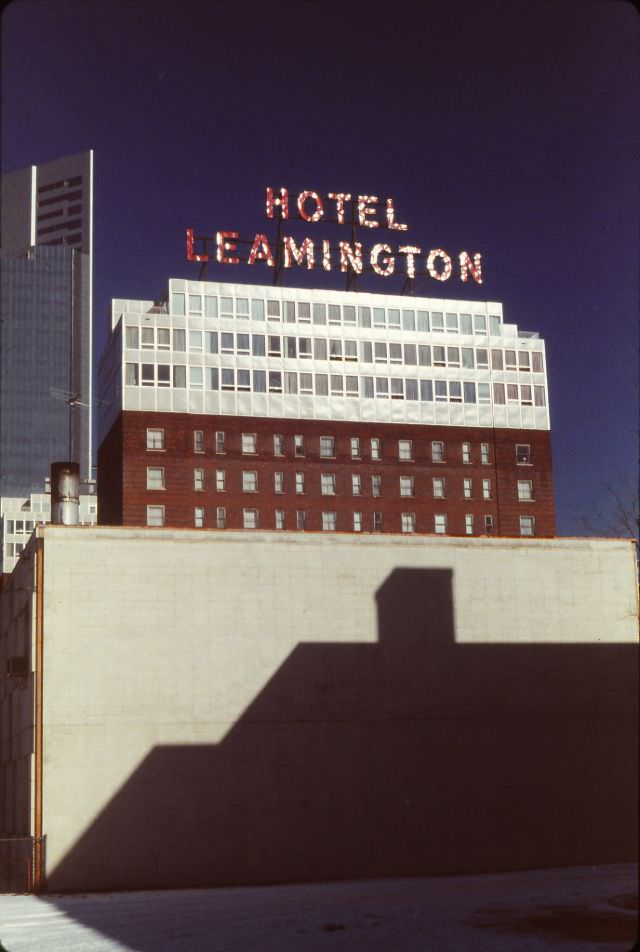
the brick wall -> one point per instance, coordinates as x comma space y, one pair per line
124, 458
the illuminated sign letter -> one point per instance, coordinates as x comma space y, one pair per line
283, 202
291, 251
319, 212
467, 265
388, 262
192, 257
365, 203
326, 255
340, 198
224, 245
410, 251
446, 261
391, 217
261, 251
351, 256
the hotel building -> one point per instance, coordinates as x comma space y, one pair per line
230, 406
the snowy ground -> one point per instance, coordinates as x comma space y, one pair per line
573, 909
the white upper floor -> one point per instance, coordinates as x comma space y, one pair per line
269, 351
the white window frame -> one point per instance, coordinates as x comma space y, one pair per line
155, 516
486, 489
155, 438
198, 479
221, 517
468, 523
330, 444
198, 517
299, 484
221, 481
439, 487
278, 482
198, 441
527, 523
409, 522
437, 451
249, 481
525, 490
327, 484
249, 444
329, 521
405, 450
156, 482
440, 523
250, 518
407, 484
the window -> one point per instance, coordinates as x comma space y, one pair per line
538, 395
498, 394
408, 522
131, 375
279, 518
278, 444
249, 482
299, 482
440, 524
356, 485
195, 378
525, 490
220, 441
329, 520
198, 517
198, 441
220, 480
467, 488
437, 451
468, 523
484, 453
357, 522
466, 452
301, 519
376, 485
438, 487
510, 360
298, 445
328, 484
488, 524
179, 376
355, 447
155, 477
405, 449
527, 525
147, 337
221, 517
249, 443
155, 515
523, 453
249, 518
486, 489
406, 485
278, 482
131, 337
198, 479
377, 522
536, 362
148, 375
327, 446
155, 439
376, 448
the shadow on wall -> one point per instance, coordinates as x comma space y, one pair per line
411, 756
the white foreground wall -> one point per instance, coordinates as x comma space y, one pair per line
224, 708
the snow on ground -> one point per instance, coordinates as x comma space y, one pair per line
577, 909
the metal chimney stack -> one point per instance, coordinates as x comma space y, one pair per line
65, 494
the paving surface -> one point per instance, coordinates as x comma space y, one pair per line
578, 909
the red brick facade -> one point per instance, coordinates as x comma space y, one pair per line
123, 461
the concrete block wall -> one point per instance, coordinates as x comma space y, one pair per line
240, 709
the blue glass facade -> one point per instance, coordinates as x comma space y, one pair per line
41, 363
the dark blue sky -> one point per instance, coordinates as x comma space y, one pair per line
505, 128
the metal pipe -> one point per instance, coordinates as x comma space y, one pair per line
38, 854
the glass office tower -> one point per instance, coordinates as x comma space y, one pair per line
46, 257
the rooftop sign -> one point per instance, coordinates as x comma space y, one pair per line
351, 257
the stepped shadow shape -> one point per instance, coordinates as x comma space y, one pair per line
413, 755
